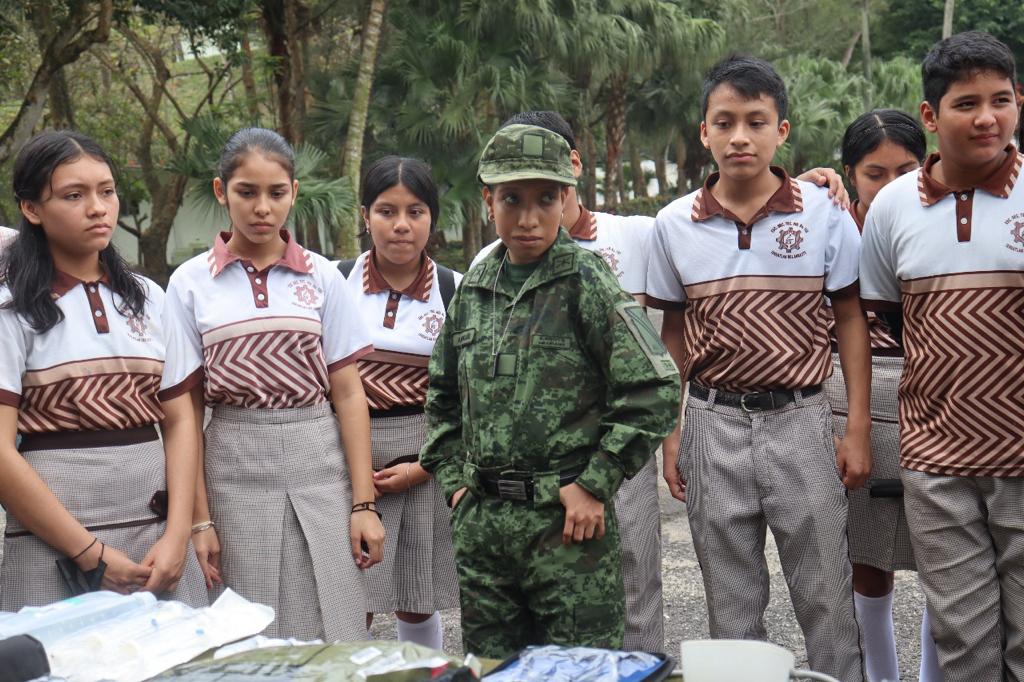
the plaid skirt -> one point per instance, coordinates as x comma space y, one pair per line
417, 574
878, 530
98, 486
280, 497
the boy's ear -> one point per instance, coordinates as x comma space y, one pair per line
929, 117
577, 163
704, 135
783, 131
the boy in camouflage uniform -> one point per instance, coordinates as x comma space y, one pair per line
548, 386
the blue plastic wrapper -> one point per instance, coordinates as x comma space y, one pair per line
578, 664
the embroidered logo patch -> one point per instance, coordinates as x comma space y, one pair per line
1016, 225
138, 328
306, 294
431, 322
789, 235
611, 257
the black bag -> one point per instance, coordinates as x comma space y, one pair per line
22, 658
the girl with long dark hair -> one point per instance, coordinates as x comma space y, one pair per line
401, 293
81, 361
268, 337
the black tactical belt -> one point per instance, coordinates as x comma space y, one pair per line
517, 486
754, 402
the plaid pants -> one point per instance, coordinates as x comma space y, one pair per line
968, 535
747, 472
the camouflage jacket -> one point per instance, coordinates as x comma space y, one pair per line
582, 380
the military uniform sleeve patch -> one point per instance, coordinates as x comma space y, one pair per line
463, 338
635, 318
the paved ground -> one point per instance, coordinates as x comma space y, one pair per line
686, 610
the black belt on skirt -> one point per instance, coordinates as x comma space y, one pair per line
518, 485
760, 401
405, 459
74, 440
397, 411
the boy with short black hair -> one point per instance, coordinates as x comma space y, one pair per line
739, 267
944, 250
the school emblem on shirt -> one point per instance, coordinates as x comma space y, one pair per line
1016, 224
138, 328
431, 322
306, 294
790, 237
611, 257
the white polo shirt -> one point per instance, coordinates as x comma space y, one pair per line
755, 316
260, 338
403, 327
620, 240
954, 263
95, 370
7, 236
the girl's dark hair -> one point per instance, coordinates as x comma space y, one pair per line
869, 130
27, 266
411, 173
247, 140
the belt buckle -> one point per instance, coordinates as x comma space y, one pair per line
749, 410
509, 489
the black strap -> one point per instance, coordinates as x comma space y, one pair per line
445, 278
345, 266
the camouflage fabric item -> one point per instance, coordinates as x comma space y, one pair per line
580, 381
522, 152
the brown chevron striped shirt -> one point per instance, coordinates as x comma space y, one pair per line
95, 370
260, 338
954, 263
754, 315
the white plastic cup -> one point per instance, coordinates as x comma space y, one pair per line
740, 660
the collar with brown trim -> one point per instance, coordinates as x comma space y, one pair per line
1000, 183
585, 227
295, 257
62, 282
419, 288
787, 199
853, 213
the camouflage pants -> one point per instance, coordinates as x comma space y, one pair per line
520, 585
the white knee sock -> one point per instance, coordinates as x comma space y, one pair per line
429, 633
930, 670
875, 617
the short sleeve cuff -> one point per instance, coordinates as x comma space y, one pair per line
662, 304
349, 359
10, 399
449, 477
182, 387
601, 478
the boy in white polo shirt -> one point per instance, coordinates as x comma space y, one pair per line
739, 267
944, 246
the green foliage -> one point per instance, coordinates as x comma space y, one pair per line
648, 206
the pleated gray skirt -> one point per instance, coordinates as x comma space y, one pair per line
281, 499
878, 530
98, 486
417, 574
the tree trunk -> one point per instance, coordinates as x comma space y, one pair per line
679, 146
615, 131
661, 171
296, 16
866, 47
352, 159
590, 168
275, 27
471, 231
70, 40
62, 112
252, 99
637, 166
947, 19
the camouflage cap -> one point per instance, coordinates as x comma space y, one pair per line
523, 152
